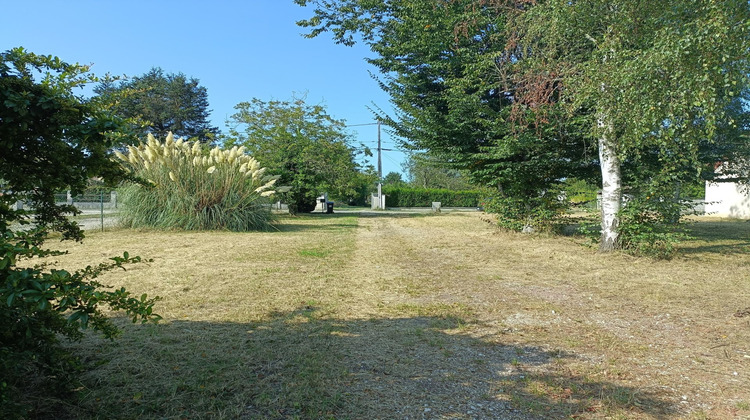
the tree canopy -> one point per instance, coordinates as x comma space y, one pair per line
424, 171
163, 103
526, 94
438, 62
393, 178
303, 144
50, 140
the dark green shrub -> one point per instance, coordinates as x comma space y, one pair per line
423, 197
651, 226
50, 140
541, 213
38, 307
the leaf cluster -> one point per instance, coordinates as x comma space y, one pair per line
307, 148
161, 103
516, 93
50, 140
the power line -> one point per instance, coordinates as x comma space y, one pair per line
375, 141
392, 160
360, 125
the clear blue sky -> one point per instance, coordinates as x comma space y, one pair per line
239, 50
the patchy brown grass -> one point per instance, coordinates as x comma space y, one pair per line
398, 316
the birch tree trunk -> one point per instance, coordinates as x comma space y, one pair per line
611, 188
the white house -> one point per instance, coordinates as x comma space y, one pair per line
728, 199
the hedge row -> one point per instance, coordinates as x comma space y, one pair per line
423, 197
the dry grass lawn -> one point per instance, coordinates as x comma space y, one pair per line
421, 316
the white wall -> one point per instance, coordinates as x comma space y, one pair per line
727, 199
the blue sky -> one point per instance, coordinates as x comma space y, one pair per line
239, 50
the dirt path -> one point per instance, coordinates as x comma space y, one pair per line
540, 323
424, 362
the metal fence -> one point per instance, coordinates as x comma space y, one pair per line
92, 201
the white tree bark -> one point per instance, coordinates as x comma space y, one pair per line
611, 188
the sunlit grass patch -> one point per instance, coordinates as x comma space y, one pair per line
364, 317
317, 253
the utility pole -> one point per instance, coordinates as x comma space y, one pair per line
380, 172
381, 201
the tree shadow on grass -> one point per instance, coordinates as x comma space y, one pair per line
374, 213
302, 364
720, 237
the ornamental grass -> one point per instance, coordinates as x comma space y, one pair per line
185, 186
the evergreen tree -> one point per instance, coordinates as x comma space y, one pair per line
163, 103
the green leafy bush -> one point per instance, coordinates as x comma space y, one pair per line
651, 226
650, 222
423, 197
38, 306
187, 188
544, 213
580, 192
50, 140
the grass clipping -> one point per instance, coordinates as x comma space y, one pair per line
188, 187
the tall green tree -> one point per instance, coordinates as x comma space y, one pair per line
393, 179
425, 171
303, 144
50, 140
528, 93
439, 63
658, 78
163, 103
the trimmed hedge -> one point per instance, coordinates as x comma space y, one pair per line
423, 197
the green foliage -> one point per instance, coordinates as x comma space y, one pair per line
579, 191
307, 148
363, 186
518, 94
693, 190
423, 197
393, 179
38, 306
50, 139
651, 221
651, 227
189, 189
543, 214
68, 135
163, 103
651, 217
425, 171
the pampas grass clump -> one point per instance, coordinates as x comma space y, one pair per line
194, 190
